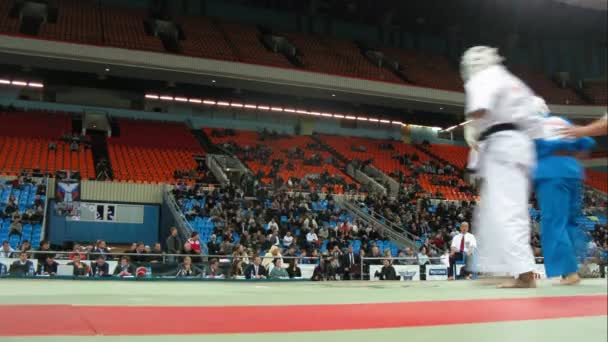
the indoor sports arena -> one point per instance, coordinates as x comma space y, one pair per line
338, 170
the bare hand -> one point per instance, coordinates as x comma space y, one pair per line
574, 132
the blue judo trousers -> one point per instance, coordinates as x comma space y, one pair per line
558, 185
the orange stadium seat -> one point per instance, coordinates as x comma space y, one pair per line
151, 151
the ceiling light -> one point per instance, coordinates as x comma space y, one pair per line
181, 99
151, 96
209, 102
19, 83
167, 98
36, 85
223, 104
195, 101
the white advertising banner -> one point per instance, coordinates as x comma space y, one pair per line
406, 272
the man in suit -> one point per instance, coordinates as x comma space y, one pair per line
22, 267
48, 267
100, 268
256, 270
463, 245
349, 263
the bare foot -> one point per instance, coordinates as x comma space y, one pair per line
570, 279
524, 281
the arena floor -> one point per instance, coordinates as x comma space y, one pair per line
110, 311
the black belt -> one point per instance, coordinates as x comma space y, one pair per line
497, 128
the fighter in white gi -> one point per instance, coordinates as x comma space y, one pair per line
501, 107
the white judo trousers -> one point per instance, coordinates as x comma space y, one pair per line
501, 219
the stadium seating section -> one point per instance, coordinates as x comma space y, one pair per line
384, 160
279, 150
24, 144
151, 151
24, 197
598, 180
84, 21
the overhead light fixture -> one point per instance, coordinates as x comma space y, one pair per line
167, 98
19, 83
398, 123
107, 69
301, 111
315, 113
212, 81
327, 115
181, 99
276, 109
385, 121
440, 108
5, 82
289, 110
333, 95
237, 105
223, 104
209, 102
373, 120
251, 106
350, 117
263, 108
195, 100
361, 118
152, 96
36, 85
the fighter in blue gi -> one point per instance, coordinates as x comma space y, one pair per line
558, 184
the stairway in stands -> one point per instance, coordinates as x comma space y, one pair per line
205, 142
99, 148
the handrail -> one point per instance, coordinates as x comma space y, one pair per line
400, 236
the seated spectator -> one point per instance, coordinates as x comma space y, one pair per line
423, 257
22, 267
256, 270
272, 254
387, 272
293, 270
140, 254
157, 254
101, 249
312, 239
15, 228
213, 271
6, 251
186, 269
278, 272
100, 268
48, 267
80, 269
237, 269
124, 269
273, 225
240, 254
287, 239
77, 250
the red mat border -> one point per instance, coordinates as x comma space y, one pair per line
76, 320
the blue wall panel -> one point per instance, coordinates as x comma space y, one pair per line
61, 230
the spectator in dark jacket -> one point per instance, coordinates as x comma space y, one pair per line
100, 268
124, 269
174, 245
387, 272
256, 270
48, 267
80, 268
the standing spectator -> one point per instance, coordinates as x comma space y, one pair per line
100, 268
44, 248
423, 256
278, 272
195, 243
463, 245
349, 262
6, 251
48, 267
80, 268
256, 270
174, 245
101, 249
124, 269
213, 247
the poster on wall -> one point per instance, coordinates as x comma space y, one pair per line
111, 213
67, 191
